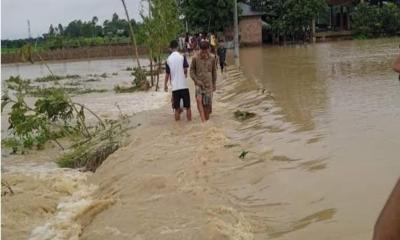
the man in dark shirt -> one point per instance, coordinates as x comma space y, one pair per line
221, 52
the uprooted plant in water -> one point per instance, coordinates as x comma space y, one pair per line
139, 82
53, 116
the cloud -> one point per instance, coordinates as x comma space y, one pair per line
42, 13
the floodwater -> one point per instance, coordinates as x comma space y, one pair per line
322, 156
80, 67
47, 201
333, 130
107, 104
322, 153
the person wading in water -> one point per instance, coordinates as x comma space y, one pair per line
221, 54
203, 72
176, 70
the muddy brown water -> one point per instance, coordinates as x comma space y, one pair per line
322, 153
333, 130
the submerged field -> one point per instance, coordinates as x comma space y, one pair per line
302, 144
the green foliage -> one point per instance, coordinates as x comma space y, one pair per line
28, 129
53, 115
88, 156
55, 106
243, 154
46, 91
78, 33
165, 20
26, 53
208, 15
49, 78
122, 89
17, 83
160, 25
290, 19
374, 21
140, 80
92, 152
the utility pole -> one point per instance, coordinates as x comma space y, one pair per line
236, 29
29, 29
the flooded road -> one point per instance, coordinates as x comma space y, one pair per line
322, 154
333, 130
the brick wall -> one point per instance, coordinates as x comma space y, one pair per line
250, 30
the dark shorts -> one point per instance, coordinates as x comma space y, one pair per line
178, 95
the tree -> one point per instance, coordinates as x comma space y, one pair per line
115, 17
95, 20
290, 19
208, 15
371, 20
51, 31
161, 25
74, 29
60, 29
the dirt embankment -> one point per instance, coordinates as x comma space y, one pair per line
77, 53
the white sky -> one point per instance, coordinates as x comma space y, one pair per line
42, 13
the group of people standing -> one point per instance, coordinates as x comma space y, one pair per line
203, 72
190, 44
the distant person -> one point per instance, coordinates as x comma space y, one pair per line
176, 70
396, 65
198, 40
194, 43
181, 43
213, 43
204, 74
189, 45
221, 52
387, 226
187, 42
204, 37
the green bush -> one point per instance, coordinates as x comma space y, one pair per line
374, 21
390, 16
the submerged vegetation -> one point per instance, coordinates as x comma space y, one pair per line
52, 116
243, 115
50, 78
16, 82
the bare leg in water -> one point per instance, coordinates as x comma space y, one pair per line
179, 111
178, 114
200, 107
207, 112
188, 114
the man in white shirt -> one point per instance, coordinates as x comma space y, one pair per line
176, 70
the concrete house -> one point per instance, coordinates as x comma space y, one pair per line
250, 25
